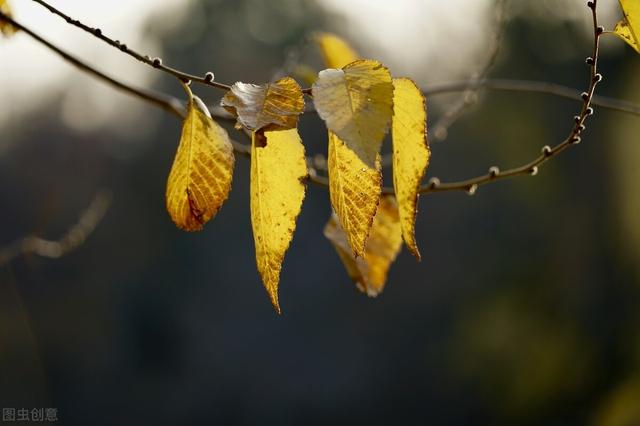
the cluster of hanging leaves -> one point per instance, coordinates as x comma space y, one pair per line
629, 27
359, 101
6, 28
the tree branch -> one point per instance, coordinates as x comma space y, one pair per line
469, 97
168, 103
208, 79
436, 89
74, 237
532, 167
529, 86
470, 185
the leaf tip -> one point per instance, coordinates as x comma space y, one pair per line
413, 249
273, 296
276, 306
370, 291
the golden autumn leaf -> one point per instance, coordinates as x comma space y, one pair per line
6, 28
278, 167
276, 105
202, 170
383, 245
629, 27
356, 104
410, 153
354, 188
336, 52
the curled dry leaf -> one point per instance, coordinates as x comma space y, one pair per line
278, 167
272, 105
202, 171
383, 245
410, 153
6, 28
629, 27
336, 52
356, 103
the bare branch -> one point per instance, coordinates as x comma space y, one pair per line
168, 103
207, 79
470, 96
529, 86
470, 185
532, 167
472, 84
164, 101
74, 237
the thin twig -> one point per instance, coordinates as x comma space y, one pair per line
292, 56
163, 101
434, 185
530, 86
522, 86
169, 103
73, 238
510, 85
473, 84
208, 78
532, 167
470, 96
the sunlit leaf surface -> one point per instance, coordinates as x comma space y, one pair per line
276, 105
200, 178
354, 189
278, 167
383, 245
629, 27
356, 103
410, 153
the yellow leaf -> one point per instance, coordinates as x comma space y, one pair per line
336, 52
354, 189
410, 153
278, 167
276, 105
629, 28
6, 28
383, 245
356, 104
200, 178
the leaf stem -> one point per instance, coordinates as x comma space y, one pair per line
74, 237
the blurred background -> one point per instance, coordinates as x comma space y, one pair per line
524, 309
